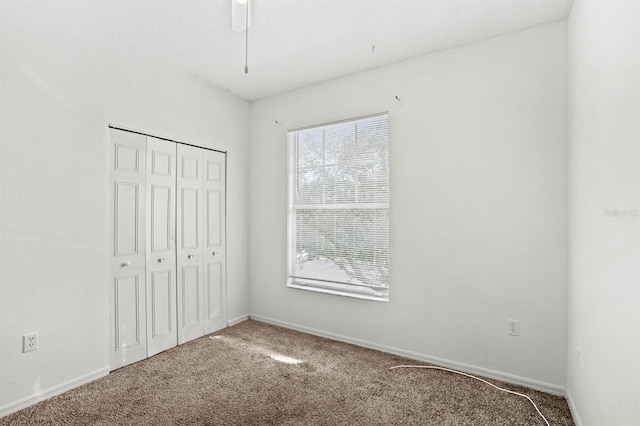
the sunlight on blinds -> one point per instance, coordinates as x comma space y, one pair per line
339, 207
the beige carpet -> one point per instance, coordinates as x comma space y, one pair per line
257, 374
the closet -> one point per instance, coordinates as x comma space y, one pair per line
167, 277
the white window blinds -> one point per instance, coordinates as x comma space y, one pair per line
339, 208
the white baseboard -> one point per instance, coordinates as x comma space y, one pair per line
237, 320
467, 368
573, 408
52, 391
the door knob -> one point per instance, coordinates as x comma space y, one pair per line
161, 260
190, 256
213, 253
125, 264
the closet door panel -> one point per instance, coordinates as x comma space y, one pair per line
127, 248
191, 295
163, 306
127, 305
161, 292
190, 209
214, 236
214, 290
189, 252
161, 218
126, 218
214, 218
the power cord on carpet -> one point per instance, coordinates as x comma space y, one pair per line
432, 367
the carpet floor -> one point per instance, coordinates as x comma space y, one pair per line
258, 374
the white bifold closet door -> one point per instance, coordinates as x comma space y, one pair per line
127, 265
201, 250
161, 246
167, 241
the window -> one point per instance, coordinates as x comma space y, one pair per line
338, 224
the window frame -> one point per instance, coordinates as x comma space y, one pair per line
320, 285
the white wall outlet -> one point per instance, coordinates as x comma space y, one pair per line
513, 327
29, 342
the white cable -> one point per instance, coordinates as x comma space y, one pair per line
432, 367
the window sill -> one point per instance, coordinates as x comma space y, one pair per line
339, 290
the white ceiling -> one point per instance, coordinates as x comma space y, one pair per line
292, 43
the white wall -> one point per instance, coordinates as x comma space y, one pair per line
56, 101
604, 285
479, 206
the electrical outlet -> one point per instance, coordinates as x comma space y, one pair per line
513, 327
29, 342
